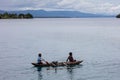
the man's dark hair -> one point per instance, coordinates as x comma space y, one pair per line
70, 53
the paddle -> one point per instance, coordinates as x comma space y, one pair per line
65, 63
45, 61
52, 64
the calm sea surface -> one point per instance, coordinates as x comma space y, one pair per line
96, 41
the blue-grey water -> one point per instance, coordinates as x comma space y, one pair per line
96, 41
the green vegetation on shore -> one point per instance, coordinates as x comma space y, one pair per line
7, 15
118, 16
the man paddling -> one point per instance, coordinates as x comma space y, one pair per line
40, 59
70, 58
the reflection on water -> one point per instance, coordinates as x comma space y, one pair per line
70, 70
39, 69
43, 73
71, 74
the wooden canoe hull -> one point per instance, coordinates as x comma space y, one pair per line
57, 64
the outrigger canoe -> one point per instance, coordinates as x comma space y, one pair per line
55, 64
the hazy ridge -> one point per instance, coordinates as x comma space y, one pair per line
57, 14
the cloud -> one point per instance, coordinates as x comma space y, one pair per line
91, 6
115, 8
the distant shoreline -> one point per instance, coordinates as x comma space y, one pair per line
58, 14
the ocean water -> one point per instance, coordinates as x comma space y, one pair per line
96, 41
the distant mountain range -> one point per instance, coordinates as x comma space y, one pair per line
57, 14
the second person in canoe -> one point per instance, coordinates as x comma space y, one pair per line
70, 58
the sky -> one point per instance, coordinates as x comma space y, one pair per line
89, 6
